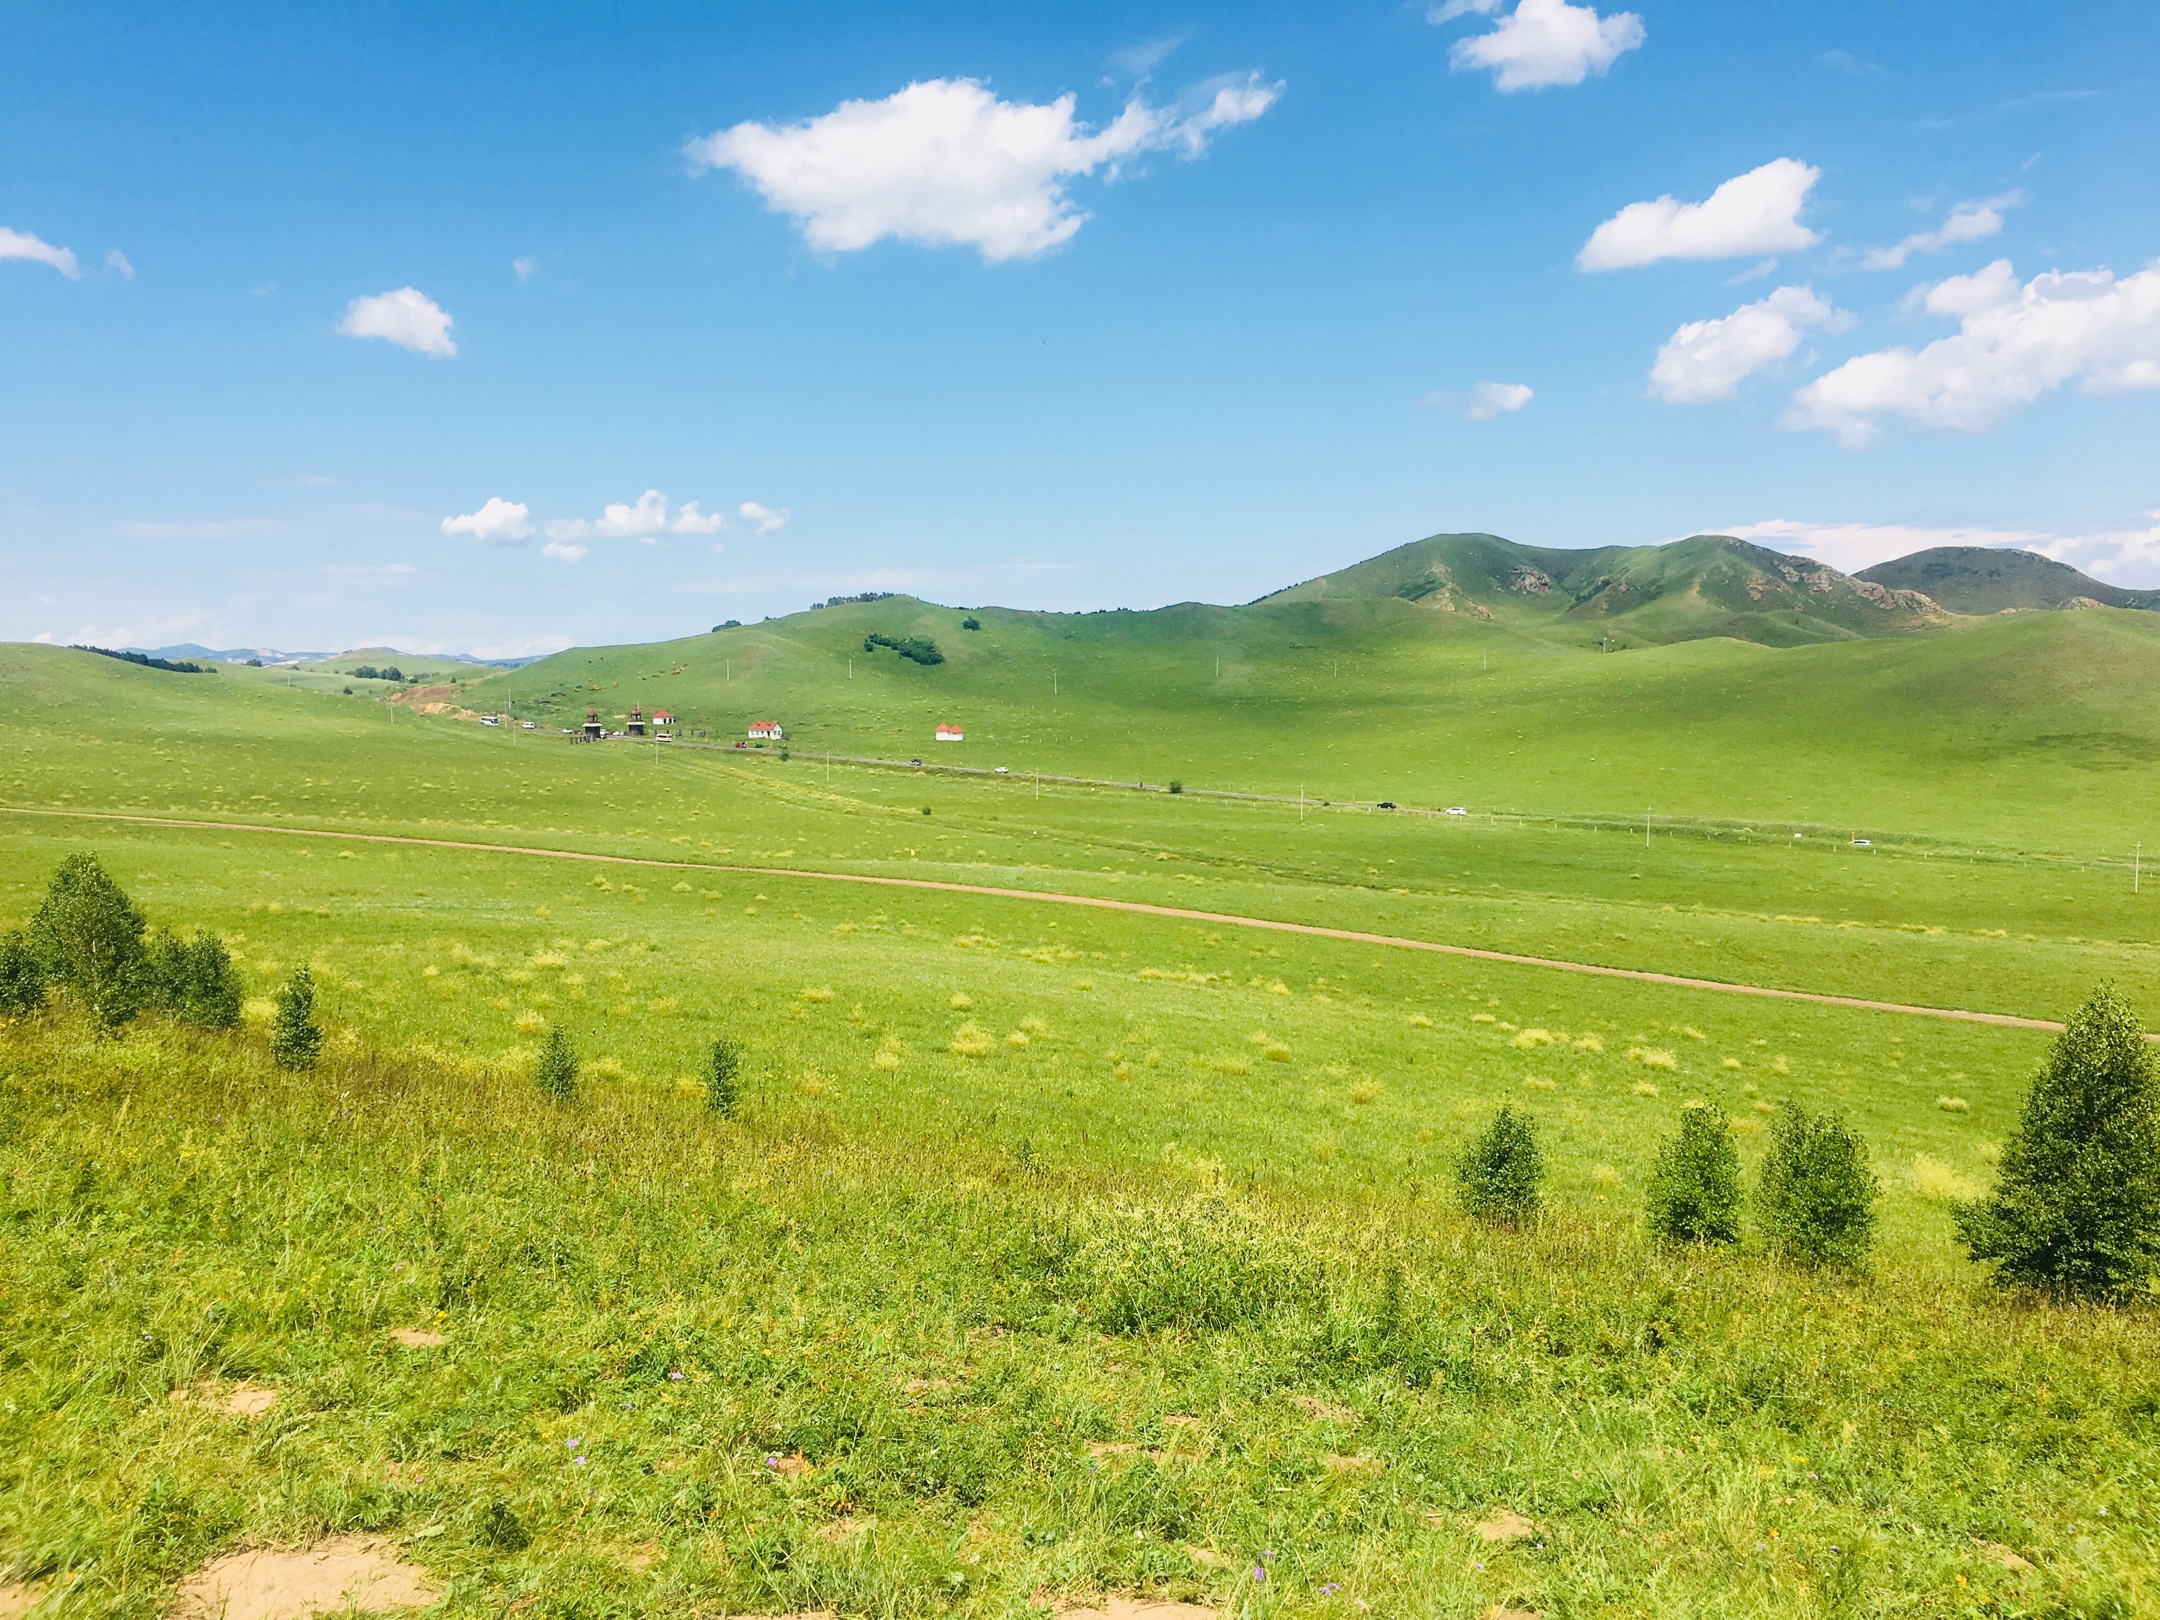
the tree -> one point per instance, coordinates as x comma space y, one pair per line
194, 979
1500, 1170
557, 1071
295, 1042
2076, 1205
1695, 1182
88, 936
1815, 1201
22, 977
723, 1086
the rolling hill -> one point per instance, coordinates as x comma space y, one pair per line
1707, 585
1983, 579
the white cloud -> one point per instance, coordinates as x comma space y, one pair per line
767, 518
497, 520
406, 317
946, 162
1491, 399
212, 529
22, 245
525, 269
1710, 359
563, 551
117, 262
1968, 222
1542, 42
642, 519
2014, 344
1756, 212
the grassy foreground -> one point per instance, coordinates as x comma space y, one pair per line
707, 1367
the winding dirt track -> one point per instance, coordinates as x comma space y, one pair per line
1181, 913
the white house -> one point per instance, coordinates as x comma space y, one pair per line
950, 733
764, 731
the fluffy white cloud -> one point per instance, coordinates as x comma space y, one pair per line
1710, 359
563, 551
406, 317
1756, 212
497, 520
117, 262
946, 162
1491, 399
643, 519
22, 245
1968, 222
2014, 344
525, 269
1541, 42
767, 518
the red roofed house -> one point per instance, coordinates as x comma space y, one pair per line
662, 718
950, 733
764, 731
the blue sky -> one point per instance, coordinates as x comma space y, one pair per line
289, 296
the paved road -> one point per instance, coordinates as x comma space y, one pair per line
1099, 903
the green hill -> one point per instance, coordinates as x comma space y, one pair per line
1708, 585
1983, 579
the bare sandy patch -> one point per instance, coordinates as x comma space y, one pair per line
842, 1528
1314, 1406
1111, 1448
794, 1465
1500, 1611
1505, 1525
1335, 1463
419, 1338
18, 1598
1125, 1608
280, 1583
246, 1399
2002, 1555
925, 1386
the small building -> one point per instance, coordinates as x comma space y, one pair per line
593, 733
636, 726
765, 731
950, 733
662, 718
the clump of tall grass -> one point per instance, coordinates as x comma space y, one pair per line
1652, 1057
555, 1071
1938, 1183
971, 1040
1532, 1037
1952, 1105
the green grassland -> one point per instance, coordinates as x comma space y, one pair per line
982, 1128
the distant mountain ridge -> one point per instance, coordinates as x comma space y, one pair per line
1705, 585
272, 655
1991, 579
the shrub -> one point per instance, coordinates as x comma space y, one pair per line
921, 649
88, 936
723, 1086
556, 1071
971, 623
195, 980
295, 1041
22, 977
2076, 1205
1694, 1194
1815, 1202
1500, 1171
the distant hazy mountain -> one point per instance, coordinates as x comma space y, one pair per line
271, 655
1708, 585
1983, 579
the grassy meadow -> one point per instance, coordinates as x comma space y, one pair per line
1058, 1251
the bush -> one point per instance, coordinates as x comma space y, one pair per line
194, 979
921, 649
22, 977
1695, 1182
1815, 1201
2076, 1205
295, 1042
1499, 1172
723, 1087
557, 1071
88, 936
971, 623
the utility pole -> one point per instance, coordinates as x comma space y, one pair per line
1646, 827
2137, 862
1301, 801
1053, 683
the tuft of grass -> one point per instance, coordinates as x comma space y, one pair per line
971, 1040
1652, 1057
1938, 1183
1644, 1088
1952, 1105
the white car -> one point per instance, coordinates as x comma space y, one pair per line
529, 726
1001, 771
1456, 810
